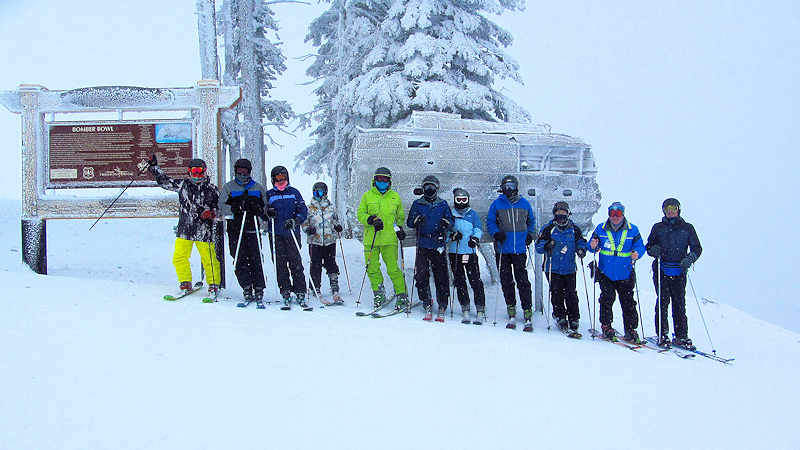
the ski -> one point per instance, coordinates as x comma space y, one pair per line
528, 328
210, 298
466, 321
195, 288
679, 352
574, 334
244, 304
710, 356
394, 313
260, 304
370, 313
614, 340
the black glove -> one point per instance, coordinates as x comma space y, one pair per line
593, 270
581, 252
311, 230
687, 261
272, 212
236, 205
401, 234
419, 220
337, 228
473, 242
444, 223
500, 236
290, 224
456, 236
529, 238
654, 251
253, 205
153, 161
548, 246
375, 222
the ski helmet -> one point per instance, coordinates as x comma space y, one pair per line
460, 198
509, 186
561, 205
319, 186
616, 206
382, 172
277, 171
243, 164
671, 202
430, 186
195, 174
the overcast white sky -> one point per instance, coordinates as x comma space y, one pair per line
696, 101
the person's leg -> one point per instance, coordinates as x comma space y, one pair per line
474, 277
570, 293
523, 283
389, 256
459, 280
507, 280
677, 290
282, 264
296, 268
317, 254
440, 279
421, 279
630, 318
373, 261
208, 256
557, 296
180, 259
607, 296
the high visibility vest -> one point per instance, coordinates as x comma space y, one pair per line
616, 249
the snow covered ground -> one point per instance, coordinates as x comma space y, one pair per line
93, 358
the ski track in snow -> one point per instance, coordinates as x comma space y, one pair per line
93, 358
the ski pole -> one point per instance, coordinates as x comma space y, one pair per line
297, 247
239, 241
594, 294
713, 349
212, 256
344, 263
414, 277
549, 287
369, 258
638, 301
586, 289
659, 331
260, 249
118, 196
499, 278
403, 265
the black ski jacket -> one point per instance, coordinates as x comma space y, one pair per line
194, 199
675, 237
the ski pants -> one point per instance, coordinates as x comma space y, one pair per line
672, 289
515, 262
208, 256
322, 256
249, 271
435, 260
564, 297
608, 291
389, 255
288, 259
473, 273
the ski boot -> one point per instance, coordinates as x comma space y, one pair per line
185, 287
258, 296
512, 317
213, 292
440, 314
300, 297
247, 292
632, 336
465, 315
528, 315
573, 325
428, 308
664, 342
287, 301
379, 297
480, 317
401, 304
684, 343
562, 324
609, 332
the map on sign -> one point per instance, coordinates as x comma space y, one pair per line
111, 154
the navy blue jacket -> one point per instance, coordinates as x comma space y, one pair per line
567, 241
431, 233
675, 237
289, 204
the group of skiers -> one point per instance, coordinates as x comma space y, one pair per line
445, 238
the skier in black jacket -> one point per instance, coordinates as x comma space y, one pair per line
669, 242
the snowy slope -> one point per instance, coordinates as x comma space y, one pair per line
93, 358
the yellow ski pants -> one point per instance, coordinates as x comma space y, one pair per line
208, 256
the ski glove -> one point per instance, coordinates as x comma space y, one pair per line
687, 261
254, 206
401, 234
208, 214
581, 252
457, 236
473, 242
548, 246
419, 220
311, 230
444, 223
654, 251
500, 236
153, 161
529, 238
375, 222
290, 224
272, 212
337, 228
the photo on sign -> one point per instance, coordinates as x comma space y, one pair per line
173, 132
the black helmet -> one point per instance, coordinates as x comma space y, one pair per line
243, 164
509, 186
561, 205
278, 170
430, 193
458, 198
319, 186
671, 202
382, 172
197, 162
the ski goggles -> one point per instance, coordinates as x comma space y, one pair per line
382, 178
615, 213
461, 200
197, 171
671, 208
279, 177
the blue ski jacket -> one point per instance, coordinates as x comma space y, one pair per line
615, 248
516, 220
469, 224
431, 232
289, 204
567, 241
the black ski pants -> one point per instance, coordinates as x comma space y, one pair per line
473, 273
512, 267
435, 260
287, 259
248, 268
564, 297
608, 292
322, 256
673, 289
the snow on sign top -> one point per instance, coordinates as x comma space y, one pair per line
449, 121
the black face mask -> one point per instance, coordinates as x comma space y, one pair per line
429, 191
560, 219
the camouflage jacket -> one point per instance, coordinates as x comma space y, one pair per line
194, 199
322, 216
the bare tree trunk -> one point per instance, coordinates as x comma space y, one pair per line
207, 33
252, 132
230, 117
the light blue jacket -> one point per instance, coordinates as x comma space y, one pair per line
469, 224
617, 267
